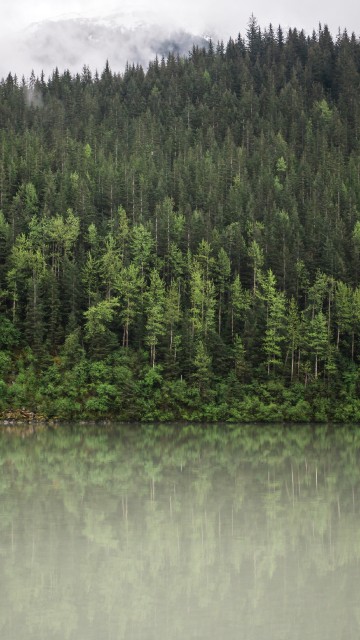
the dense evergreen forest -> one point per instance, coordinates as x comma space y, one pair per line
184, 242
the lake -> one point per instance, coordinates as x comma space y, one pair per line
162, 532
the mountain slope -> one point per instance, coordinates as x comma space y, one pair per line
71, 43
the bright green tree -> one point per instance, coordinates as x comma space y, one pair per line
155, 313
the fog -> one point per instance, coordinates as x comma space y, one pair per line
71, 43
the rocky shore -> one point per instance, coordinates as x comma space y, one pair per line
21, 416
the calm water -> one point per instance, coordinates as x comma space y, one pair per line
223, 532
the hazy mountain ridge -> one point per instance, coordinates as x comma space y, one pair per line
73, 42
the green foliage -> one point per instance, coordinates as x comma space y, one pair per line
98, 316
9, 335
159, 224
281, 165
203, 372
155, 311
324, 110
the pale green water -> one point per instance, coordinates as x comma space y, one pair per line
249, 532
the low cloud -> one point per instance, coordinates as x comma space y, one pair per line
33, 97
141, 30
73, 43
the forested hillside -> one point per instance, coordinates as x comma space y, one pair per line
184, 242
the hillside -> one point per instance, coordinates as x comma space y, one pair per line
184, 242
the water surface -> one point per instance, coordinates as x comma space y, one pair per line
169, 532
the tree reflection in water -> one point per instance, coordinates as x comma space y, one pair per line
172, 531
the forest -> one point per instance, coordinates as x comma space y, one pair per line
183, 242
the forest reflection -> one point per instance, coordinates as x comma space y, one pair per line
169, 531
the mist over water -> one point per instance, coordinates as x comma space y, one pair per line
180, 532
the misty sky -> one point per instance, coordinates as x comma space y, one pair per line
222, 19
